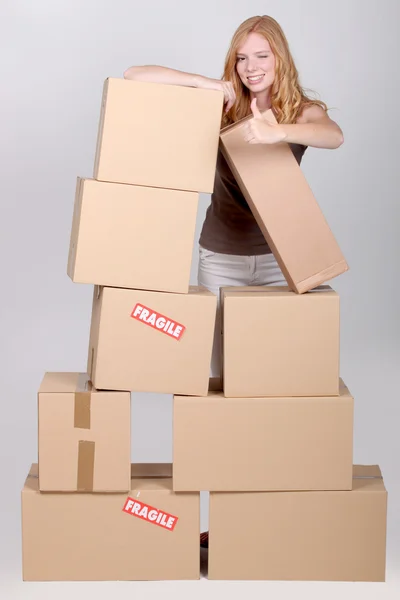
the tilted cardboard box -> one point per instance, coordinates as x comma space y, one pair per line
152, 341
83, 437
314, 536
279, 343
252, 444
284, 207
132, 236
158, 135
151, 533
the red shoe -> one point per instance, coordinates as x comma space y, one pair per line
204, 539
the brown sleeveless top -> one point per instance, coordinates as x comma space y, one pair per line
229, 226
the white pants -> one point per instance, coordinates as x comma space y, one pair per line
220, 270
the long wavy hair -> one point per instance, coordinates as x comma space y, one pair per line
288, 98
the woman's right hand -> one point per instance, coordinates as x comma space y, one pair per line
221, 86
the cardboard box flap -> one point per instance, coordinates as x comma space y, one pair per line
368, 478
367, 472
151, 470
64, 382
215, 391
194, 290
199, 290
270, 290
151, 476
145, 476
343, 389
32, 480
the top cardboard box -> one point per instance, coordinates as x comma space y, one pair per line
284, 208
158, 135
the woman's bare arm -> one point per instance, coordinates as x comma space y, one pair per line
314, 128
165, 75
158, 74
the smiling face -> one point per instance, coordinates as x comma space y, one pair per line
256, 64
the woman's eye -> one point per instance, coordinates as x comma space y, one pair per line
239, 58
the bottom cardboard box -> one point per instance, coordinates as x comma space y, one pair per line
308, 536
151, 533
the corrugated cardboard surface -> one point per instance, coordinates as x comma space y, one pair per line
83, 436
327, 536
80, 537
279, 343
127, 354
132, 236
285, 208
158, 135
252, 444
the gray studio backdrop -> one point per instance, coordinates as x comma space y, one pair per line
55, 56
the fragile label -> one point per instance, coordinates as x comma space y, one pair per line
158, 321
149, 513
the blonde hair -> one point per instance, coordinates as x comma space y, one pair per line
288, 98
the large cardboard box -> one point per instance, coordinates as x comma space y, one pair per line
315, 536
151, 533
279, 343
132, 236
284, 207
158, 135
83, 436
253, 444
152, 341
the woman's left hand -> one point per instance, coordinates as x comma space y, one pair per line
261, 131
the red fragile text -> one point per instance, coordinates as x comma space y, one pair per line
149, 513
158, 321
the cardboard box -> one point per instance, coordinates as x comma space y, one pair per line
314, 536
90, 537
84, 436
279, 343
158, 135
132, 236
152, 341
284, 207
253, 444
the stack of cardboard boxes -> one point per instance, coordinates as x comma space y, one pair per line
273, 444
132, 237
275, 447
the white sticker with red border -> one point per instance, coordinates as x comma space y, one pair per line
150, 514
158, 321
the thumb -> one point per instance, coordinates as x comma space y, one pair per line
254, 109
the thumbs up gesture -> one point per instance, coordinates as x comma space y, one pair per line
259, 130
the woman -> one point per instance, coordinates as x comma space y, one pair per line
259, 74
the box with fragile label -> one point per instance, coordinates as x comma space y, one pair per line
83, 437
158, 135
279, 343
253, 444
132, 236
152, 341
308, 536
284, 207
149, 533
